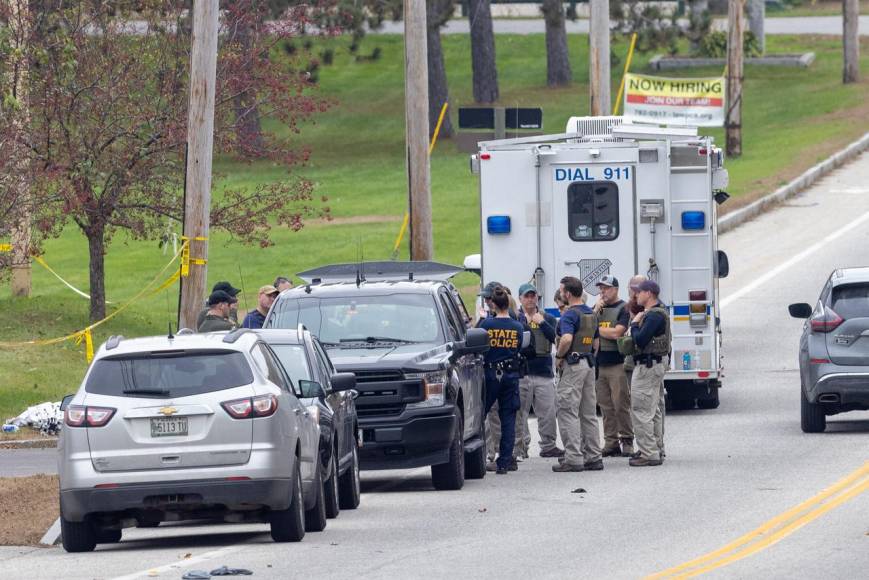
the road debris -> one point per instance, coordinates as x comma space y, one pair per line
579, 490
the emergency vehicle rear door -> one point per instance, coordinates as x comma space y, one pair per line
593, 207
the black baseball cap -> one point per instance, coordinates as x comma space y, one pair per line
219, 296
489, 289
649, 286
226, 287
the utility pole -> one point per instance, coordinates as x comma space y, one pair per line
756, 15
200, 142
850, 40
599, 55
733, 122
416, 119
19, 177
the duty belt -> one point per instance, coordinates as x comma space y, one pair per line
504, 366
648, 359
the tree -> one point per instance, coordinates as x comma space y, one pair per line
438, 13
108, 121
850, 41
483, 52
558, 71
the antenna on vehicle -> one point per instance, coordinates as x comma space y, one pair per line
243, 293
171, 336
360, 259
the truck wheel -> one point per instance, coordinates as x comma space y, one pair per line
475, 461
812, 417
330, 490
349, 486
451, 475
315, 518
710, 402
289, 525
78, 536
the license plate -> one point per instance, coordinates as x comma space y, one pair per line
168, 426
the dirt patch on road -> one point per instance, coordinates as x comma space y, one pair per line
28, 507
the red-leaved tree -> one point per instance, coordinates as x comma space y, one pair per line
108, 108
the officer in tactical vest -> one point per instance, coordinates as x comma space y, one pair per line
612, 387
576, 400
650, 330
537, 387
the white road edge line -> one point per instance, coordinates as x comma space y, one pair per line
758, 282
186, 563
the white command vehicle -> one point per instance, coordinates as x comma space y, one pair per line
609, 197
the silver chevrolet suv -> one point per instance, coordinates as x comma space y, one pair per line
186, 427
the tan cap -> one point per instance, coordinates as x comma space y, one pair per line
268, 289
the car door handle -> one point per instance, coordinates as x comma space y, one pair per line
297, 410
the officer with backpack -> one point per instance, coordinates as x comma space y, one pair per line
577, 402
651, 335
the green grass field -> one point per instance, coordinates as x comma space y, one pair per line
792, 119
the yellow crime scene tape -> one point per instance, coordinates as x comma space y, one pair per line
85, 335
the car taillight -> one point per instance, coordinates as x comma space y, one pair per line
261, 406
825, 321
84, 416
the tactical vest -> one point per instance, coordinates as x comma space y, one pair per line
542, 345
583, 338
659, 345
610, 314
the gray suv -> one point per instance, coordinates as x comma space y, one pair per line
187, 427
834, 349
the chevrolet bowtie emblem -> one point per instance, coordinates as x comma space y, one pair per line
168, 411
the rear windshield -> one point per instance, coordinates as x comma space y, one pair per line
851, 301
169, 374
402, 317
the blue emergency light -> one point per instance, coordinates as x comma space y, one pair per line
693, 220
498, 224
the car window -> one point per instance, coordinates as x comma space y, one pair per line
326, 360
294, 360
169, 374
452, 321
851, 301
410, 317
593, 211
274, 369
323, 366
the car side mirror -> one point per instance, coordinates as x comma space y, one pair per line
722, 267
526, 339
800, 310
311, 389
343, 382
64, 403
476, 341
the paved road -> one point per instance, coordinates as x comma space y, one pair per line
831, 25
17, 462
727, 472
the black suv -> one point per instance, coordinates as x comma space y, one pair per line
402, 329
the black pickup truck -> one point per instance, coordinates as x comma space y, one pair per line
402, 328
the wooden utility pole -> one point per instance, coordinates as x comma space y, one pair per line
200, 142
416, 119
19, 177
599, 55
733, 121
851, 40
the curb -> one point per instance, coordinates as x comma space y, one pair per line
52, 536
46, 443
660, 62
810, 177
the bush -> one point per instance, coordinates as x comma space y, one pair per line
714, 45
328, 56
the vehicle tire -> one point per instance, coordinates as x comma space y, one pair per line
812, 417
289, 525
330, 489
710, 402
315, 518
349, 486
475, 461
109, 536
682, 404
78, 536
451, 475
147, 524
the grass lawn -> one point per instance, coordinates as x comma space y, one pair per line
792, 119
818, 8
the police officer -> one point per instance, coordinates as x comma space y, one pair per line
233, 312
217, 317
576, 414
612, 387
537, 387
650, 330
502, 373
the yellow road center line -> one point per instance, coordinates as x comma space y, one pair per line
782, 533
766, 527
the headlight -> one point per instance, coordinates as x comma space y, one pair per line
434, 386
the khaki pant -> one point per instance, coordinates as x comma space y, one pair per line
539, 392
576, 414
647, 415
614, 400
493, 433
